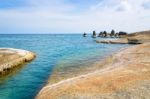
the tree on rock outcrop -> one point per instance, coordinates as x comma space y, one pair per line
100, 34
94, 34
104, 34
112, 33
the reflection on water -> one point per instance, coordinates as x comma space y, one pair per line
9, 73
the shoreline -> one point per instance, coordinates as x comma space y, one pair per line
88, 68
11, 58
75, 87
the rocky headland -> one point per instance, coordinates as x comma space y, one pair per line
133, 38
125, 75
10, 58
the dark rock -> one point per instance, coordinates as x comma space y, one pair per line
117, 35
84, 34
112, 33
100, 34
94, 34
134, 41
121, 34
105, 34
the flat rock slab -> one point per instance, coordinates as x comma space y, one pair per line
126, 77
120, 41
10, 58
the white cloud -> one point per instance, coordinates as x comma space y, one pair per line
124, 6
54, 16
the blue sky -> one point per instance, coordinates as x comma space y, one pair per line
73, 16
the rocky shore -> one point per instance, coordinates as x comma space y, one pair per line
10, 58
119, 41
125, 75
134, 38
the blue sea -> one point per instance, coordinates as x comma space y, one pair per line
53, 51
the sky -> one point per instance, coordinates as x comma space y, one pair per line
73, 16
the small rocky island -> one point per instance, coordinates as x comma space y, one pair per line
10, 58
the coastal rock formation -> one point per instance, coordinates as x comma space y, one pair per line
122, 41
142, 37
126, 76
94, 34
100, 34
134, 38
122, 34
134, 41
112, 34
10, 58
84, 34
105, 34
117, 35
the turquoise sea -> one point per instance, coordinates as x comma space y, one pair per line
53, 51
